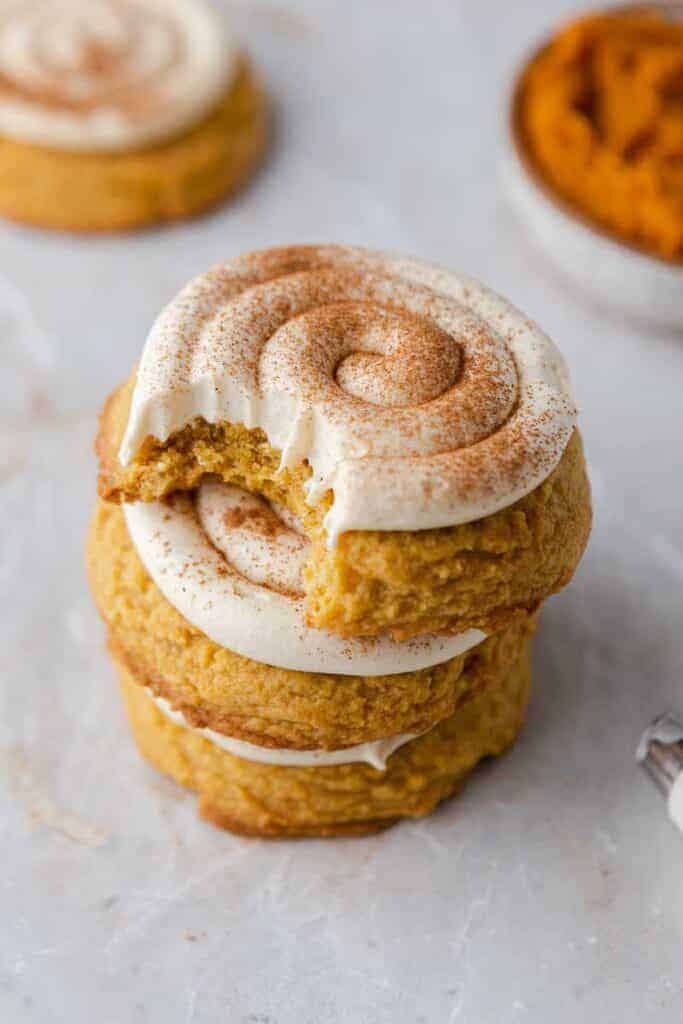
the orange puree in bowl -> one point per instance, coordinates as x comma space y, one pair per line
600, 112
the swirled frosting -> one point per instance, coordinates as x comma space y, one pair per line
231, 565
374, 752
418, 397
109, 74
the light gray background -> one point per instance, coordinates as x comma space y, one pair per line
550, 891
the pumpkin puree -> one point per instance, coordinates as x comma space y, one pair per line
600, 112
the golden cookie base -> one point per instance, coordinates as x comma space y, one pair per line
262, 800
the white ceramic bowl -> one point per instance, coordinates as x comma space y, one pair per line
615, 273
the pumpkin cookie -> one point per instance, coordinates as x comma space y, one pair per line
254, 686
118, 115
419, 427
258, 798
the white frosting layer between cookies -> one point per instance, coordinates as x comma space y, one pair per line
109, 74
418, 397
231, 565
375, 753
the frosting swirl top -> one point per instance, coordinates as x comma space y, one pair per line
418, 396
231, 564
109, 74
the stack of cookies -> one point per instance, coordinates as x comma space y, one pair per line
334, 494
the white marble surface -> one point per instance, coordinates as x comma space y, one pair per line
552, 890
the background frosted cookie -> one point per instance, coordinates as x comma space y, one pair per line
418, 425
119, 115
345, 799
352, 692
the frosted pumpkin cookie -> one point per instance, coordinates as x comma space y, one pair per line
203, 602
119, 114
260, 792
419, 427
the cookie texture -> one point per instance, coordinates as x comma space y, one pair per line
219, 689
272, 801
484, 574
80, 191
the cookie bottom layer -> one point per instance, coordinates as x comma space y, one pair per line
113, 191
354, 799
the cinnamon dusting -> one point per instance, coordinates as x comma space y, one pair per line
258, 519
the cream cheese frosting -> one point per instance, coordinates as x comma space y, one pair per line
418, 397
231, 565
109, 74
375, 752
